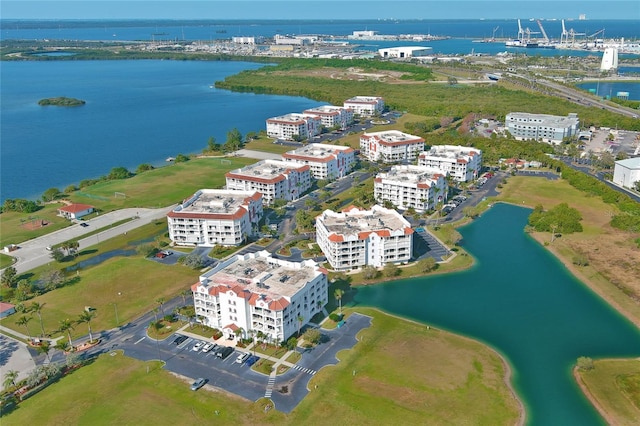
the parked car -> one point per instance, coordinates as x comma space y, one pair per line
161, 255
180, 340
198, 384
224, 351
197, 346
242, 358
252, 360
84, 224
206, 348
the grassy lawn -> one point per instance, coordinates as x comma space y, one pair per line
167, 329
5, 261
614, 387
124, 392
294, 357
161, 187
201, 330
129, 285
463, 385
267, 145
269, 350
14, 226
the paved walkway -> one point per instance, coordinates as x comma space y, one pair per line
33, 253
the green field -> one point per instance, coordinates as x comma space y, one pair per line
615, 386
381, 381
5, 261
162, 186
15, 227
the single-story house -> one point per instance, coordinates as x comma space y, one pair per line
6, 309
75, 211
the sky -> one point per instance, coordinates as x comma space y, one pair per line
316, 9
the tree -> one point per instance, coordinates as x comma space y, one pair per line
338, 293
184, 294
143, 168
57, 255
369, 272
119, 173
585, 363
52, 279
23, 290
181, 158
62, 345
85, 317
391, 269
426, 264
72, 247
50, 194
239, 332
8, 277
212, 145
37, 308
160, 301
45, 348
234, 140
10, 379
71, 188
66, 326
312, 335
155, 313
24, 321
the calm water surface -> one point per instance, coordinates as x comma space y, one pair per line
136, 112
520, 300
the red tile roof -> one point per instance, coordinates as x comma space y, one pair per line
278, 305
75, 208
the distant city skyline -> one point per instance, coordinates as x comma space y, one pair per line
315, 9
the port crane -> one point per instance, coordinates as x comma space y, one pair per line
544, 33
569, 35
493, 35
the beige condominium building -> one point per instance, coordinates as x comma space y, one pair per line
332, 116
274, 179
542, 127
257, 292
328, 162
294, 126
366, 106
417, 187
461, 163
215, 216
390, 146
355, 237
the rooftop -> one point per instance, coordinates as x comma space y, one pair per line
216, 201
367, 99
412, 174
293, 118
317, 151
450, 151
268, 169
75, 208
263, 275
546, 119
632, 163
324, 109
393, 137
355, 221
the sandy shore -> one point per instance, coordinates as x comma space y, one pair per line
585, 390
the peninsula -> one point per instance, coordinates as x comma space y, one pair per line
61, 101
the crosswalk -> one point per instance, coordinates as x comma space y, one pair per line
270, 383
305, 370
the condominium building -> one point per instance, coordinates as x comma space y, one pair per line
294, 126
328, 162
216, 216
332, 116
355, 238
257, 292
542, 127
417, 187
367, 106
462, 163
390, 146
274, 179
627, 172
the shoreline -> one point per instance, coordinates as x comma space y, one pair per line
592, 400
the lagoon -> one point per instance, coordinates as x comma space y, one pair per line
524, 303
136, 111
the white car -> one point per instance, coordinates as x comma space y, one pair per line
207, 347
197, 346
242, 358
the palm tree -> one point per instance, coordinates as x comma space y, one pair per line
62, 345
155, 313
24, 321
338, 295
10, 378
37, 308
300, 320
184, 294
160, 302
86, 317
45, 348
66, 326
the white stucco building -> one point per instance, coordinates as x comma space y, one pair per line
365, 105
257, 292
294, 125
216, 216
273, 179
417, 187
327, 162
462, 163
75, 211
542, 127
390, 146
355, 238
332, 116
627, 172
404, 52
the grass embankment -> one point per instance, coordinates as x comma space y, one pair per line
613, 387
614, 260
162, 186
5, 261
402, 372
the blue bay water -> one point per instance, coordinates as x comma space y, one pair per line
521, 301
136, 112
609, 89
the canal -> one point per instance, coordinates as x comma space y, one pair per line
524, 303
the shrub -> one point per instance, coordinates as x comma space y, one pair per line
580, 260
335, 317
585, 363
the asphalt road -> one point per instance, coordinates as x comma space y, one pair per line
33, 253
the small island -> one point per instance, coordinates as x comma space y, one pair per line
61, 101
